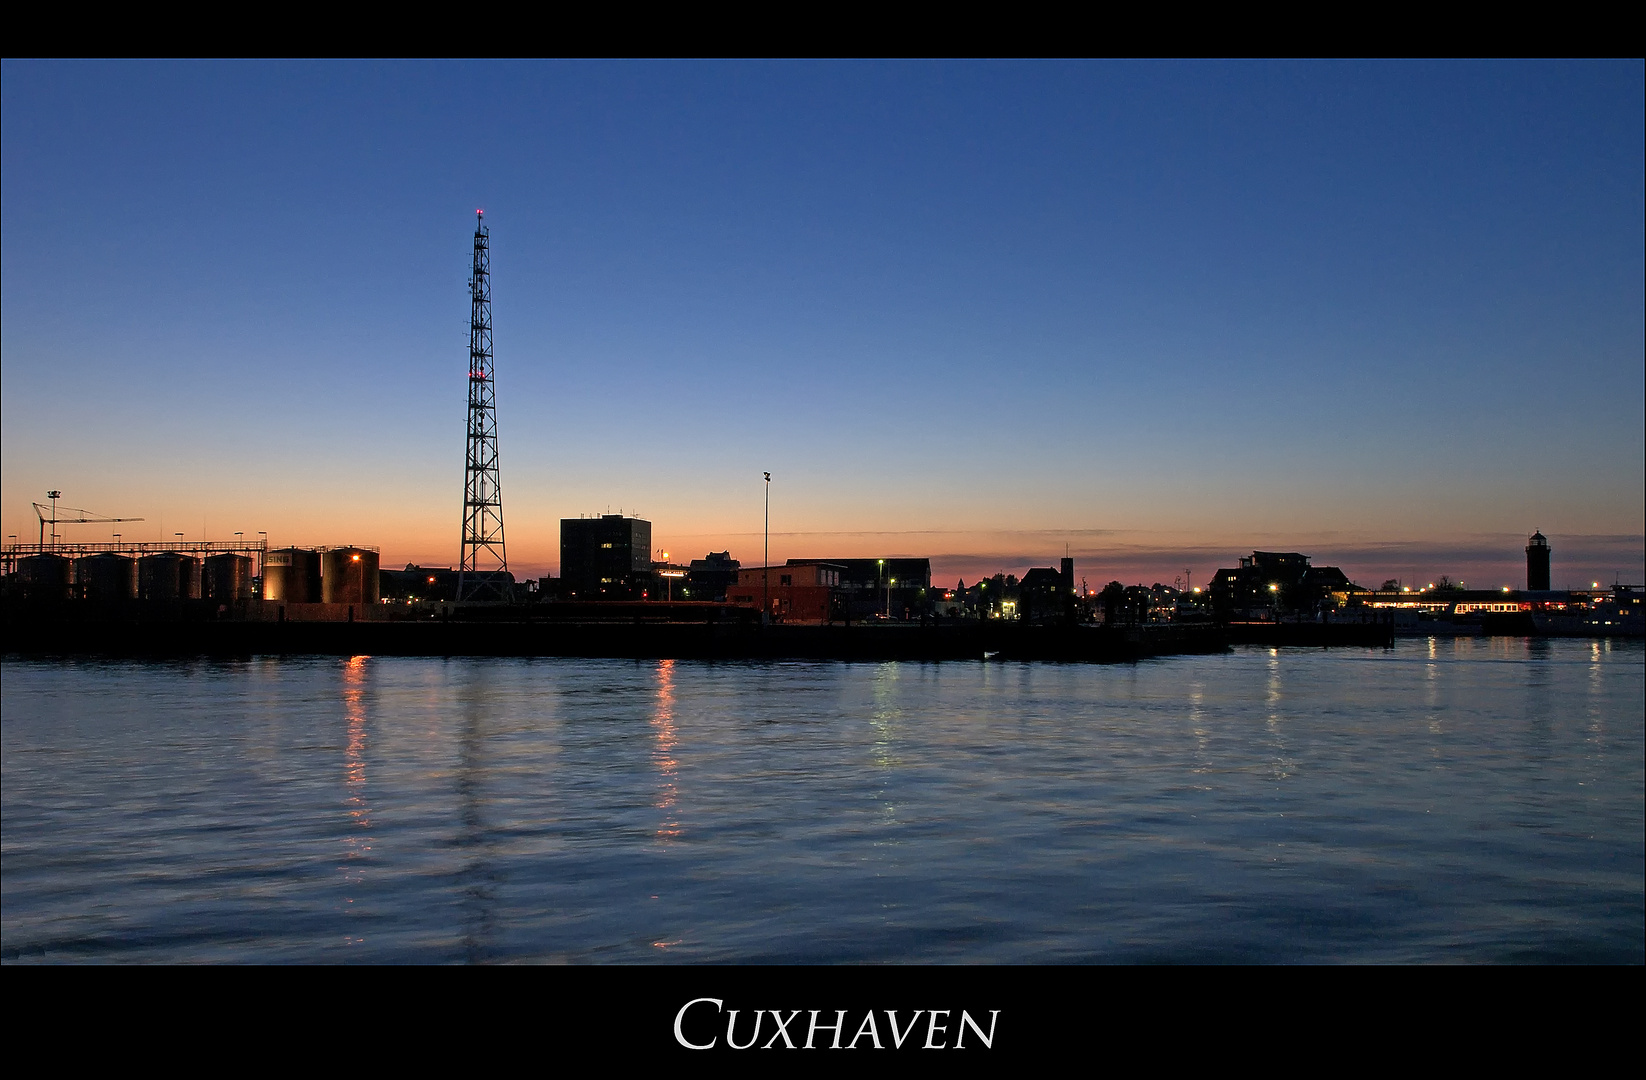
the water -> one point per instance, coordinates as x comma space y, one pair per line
1465, 800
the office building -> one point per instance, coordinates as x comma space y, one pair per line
605, 558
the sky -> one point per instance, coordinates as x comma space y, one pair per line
1156, 315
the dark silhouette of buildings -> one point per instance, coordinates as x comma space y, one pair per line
1047, 595
605, 558
898, 588
709, 577
437, 583
1537, 563
1273, 582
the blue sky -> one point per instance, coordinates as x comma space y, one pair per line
1389, 314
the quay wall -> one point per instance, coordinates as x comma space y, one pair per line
724, 640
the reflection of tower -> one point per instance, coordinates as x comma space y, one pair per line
478, 876
480, 569
1537, 563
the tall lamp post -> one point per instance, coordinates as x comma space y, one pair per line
53, 496
766, 562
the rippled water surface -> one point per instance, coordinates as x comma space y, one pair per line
1466, 800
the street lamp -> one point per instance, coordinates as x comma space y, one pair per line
53, 496
766, 562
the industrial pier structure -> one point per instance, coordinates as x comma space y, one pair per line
164, 570
222, 572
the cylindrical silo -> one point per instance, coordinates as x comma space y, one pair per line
107, 577
169, 575
45, 576
292, 575
226, 578
349, 576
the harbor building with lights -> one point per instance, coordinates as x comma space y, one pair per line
608, 557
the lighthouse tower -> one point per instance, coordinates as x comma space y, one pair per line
1537, 563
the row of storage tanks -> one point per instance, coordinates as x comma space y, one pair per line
345, 575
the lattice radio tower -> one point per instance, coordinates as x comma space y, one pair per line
480, 572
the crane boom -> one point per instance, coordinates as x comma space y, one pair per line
54, 520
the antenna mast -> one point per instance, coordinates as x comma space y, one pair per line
484, 559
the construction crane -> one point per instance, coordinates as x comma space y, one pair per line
87, 518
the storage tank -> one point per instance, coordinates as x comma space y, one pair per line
292, 575
45, 576
107, 577
349, 576
168, 576
226, 578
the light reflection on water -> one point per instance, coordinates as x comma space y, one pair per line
357, 844
1468, 799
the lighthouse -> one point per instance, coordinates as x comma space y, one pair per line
1537, 563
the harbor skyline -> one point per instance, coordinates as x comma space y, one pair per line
1152, 314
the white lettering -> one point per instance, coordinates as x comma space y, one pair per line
869, 1026
932, 1029
782, 1029
839, 1021
899, 1036
966, 1018
731, 1022
680, 1036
